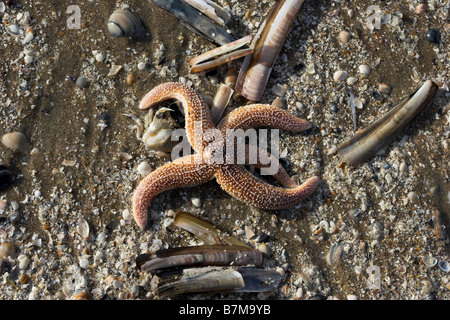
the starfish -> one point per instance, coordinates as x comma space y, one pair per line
200, 167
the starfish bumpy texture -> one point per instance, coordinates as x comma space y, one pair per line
199, 168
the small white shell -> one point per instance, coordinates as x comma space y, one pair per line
364, 69
144, 168
339, 76
123, 23
429, 261
444, 265
83, 228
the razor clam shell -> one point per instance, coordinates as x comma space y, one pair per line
199, 22
377, 135
267, 43
221, 55
219, 255
201, 280
198, 280
220, 101
204, 230
210, 9
223, 95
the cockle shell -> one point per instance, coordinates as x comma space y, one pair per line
15, 141
123, 23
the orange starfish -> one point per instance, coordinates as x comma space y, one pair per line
201, 167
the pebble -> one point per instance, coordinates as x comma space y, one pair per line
339, 76
351, 80
433, 36
344, 36
412, 196
334, 107
131, 78
6, 179
403, 167
364, 69
82, 82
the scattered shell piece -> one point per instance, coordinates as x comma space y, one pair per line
364, 69
14, 29
384, 88
24, 261
339, 76
7, 251
196, 202
15, 141
99, 57
83, 228
335, 254
444, 265
144, 168
351, 80
429, 261
28, 59
114, 70
420, 9
344, 36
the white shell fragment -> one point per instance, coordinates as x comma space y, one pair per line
211, 10
429, 261
144, 168
83, 228
364, 69
339, 76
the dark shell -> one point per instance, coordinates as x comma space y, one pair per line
433, 36
6, 177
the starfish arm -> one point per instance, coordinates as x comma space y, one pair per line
239, 183
263, 115
265, 160
197, 113
186, 171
